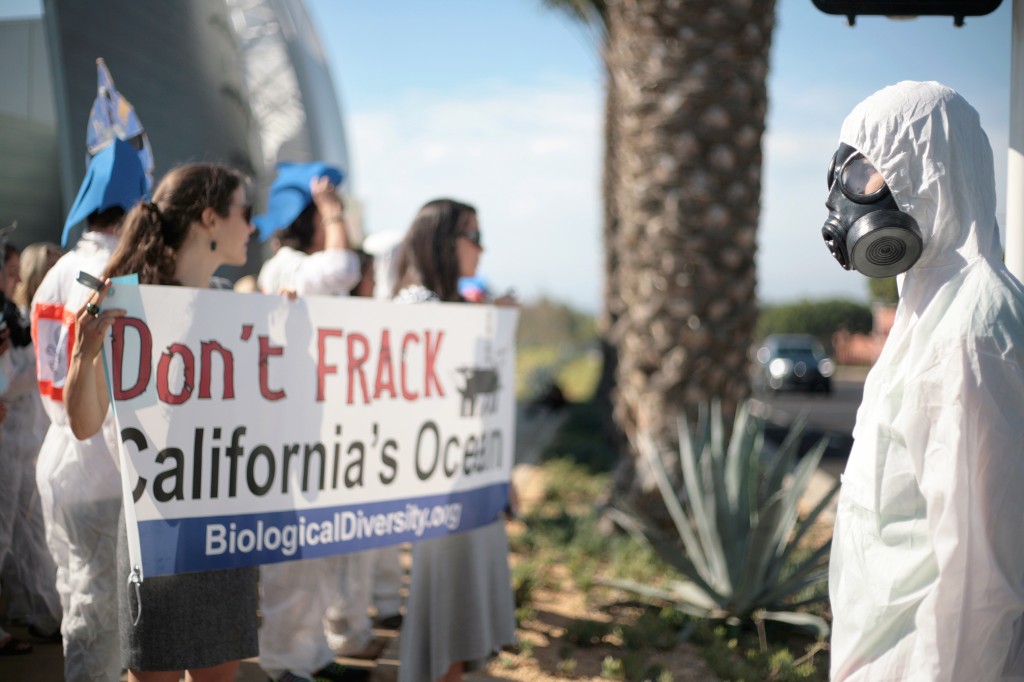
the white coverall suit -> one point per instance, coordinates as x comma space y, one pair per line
312, 606
927, 569
28, 573
79, 481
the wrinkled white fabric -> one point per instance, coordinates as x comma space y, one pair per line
295, 596
385, 247
79, 481
927, 569
326, 273
347, 620
387, 575
28, 574
293, 599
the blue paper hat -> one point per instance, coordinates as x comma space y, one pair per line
115, 177
289, 195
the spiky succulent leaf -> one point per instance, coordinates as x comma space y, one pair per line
795, 490
735, 514
811, 571
760, 545
785, 456
713, 468
733, 473
664, 547
675, 509
706, 524
688, 597
806, 621
805, 525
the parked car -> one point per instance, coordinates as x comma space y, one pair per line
792, 361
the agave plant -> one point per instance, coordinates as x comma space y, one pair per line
737, 522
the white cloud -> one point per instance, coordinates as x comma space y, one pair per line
529, 160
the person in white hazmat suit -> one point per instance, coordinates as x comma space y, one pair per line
927, 569
312, 607
79, 481
33, 595
385, 563
27, 574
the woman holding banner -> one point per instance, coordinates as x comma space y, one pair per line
461, 611
198, 220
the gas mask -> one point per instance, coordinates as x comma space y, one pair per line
866, 231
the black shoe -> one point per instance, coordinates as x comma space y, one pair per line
53, 637
334, 672
13, 646
392, 622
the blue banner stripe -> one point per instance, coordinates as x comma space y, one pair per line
217, 542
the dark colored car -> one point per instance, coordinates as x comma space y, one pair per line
792, 361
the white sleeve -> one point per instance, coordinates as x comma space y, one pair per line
333, 272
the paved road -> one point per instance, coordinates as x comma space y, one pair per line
830, 415
833, 413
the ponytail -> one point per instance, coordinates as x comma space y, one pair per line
143, 248
154, 230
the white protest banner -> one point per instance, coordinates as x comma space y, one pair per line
256, 429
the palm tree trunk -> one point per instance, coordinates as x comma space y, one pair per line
690, 101
613, 304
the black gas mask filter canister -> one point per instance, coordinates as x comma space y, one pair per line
866, 231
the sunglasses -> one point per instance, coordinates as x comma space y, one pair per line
473, 236
246, 212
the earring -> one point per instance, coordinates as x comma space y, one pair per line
213, 245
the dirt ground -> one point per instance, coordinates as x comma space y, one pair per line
544, 660
543, 646
544, 654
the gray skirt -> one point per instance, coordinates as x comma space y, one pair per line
461, 606
187, 621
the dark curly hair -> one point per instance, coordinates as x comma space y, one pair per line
154, 230
299, 235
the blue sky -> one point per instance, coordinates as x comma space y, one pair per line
499, 103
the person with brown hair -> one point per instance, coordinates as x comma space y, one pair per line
36, 261
28, 573
199, 219
461, 611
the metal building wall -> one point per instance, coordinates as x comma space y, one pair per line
177, 62
29, 170
181, 64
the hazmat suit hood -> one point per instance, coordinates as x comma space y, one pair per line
945, 181
927, 567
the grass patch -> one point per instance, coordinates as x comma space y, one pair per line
575, 370
735, 654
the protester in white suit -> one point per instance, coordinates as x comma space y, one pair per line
79, 480
927, 569
27, 572
306, 218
